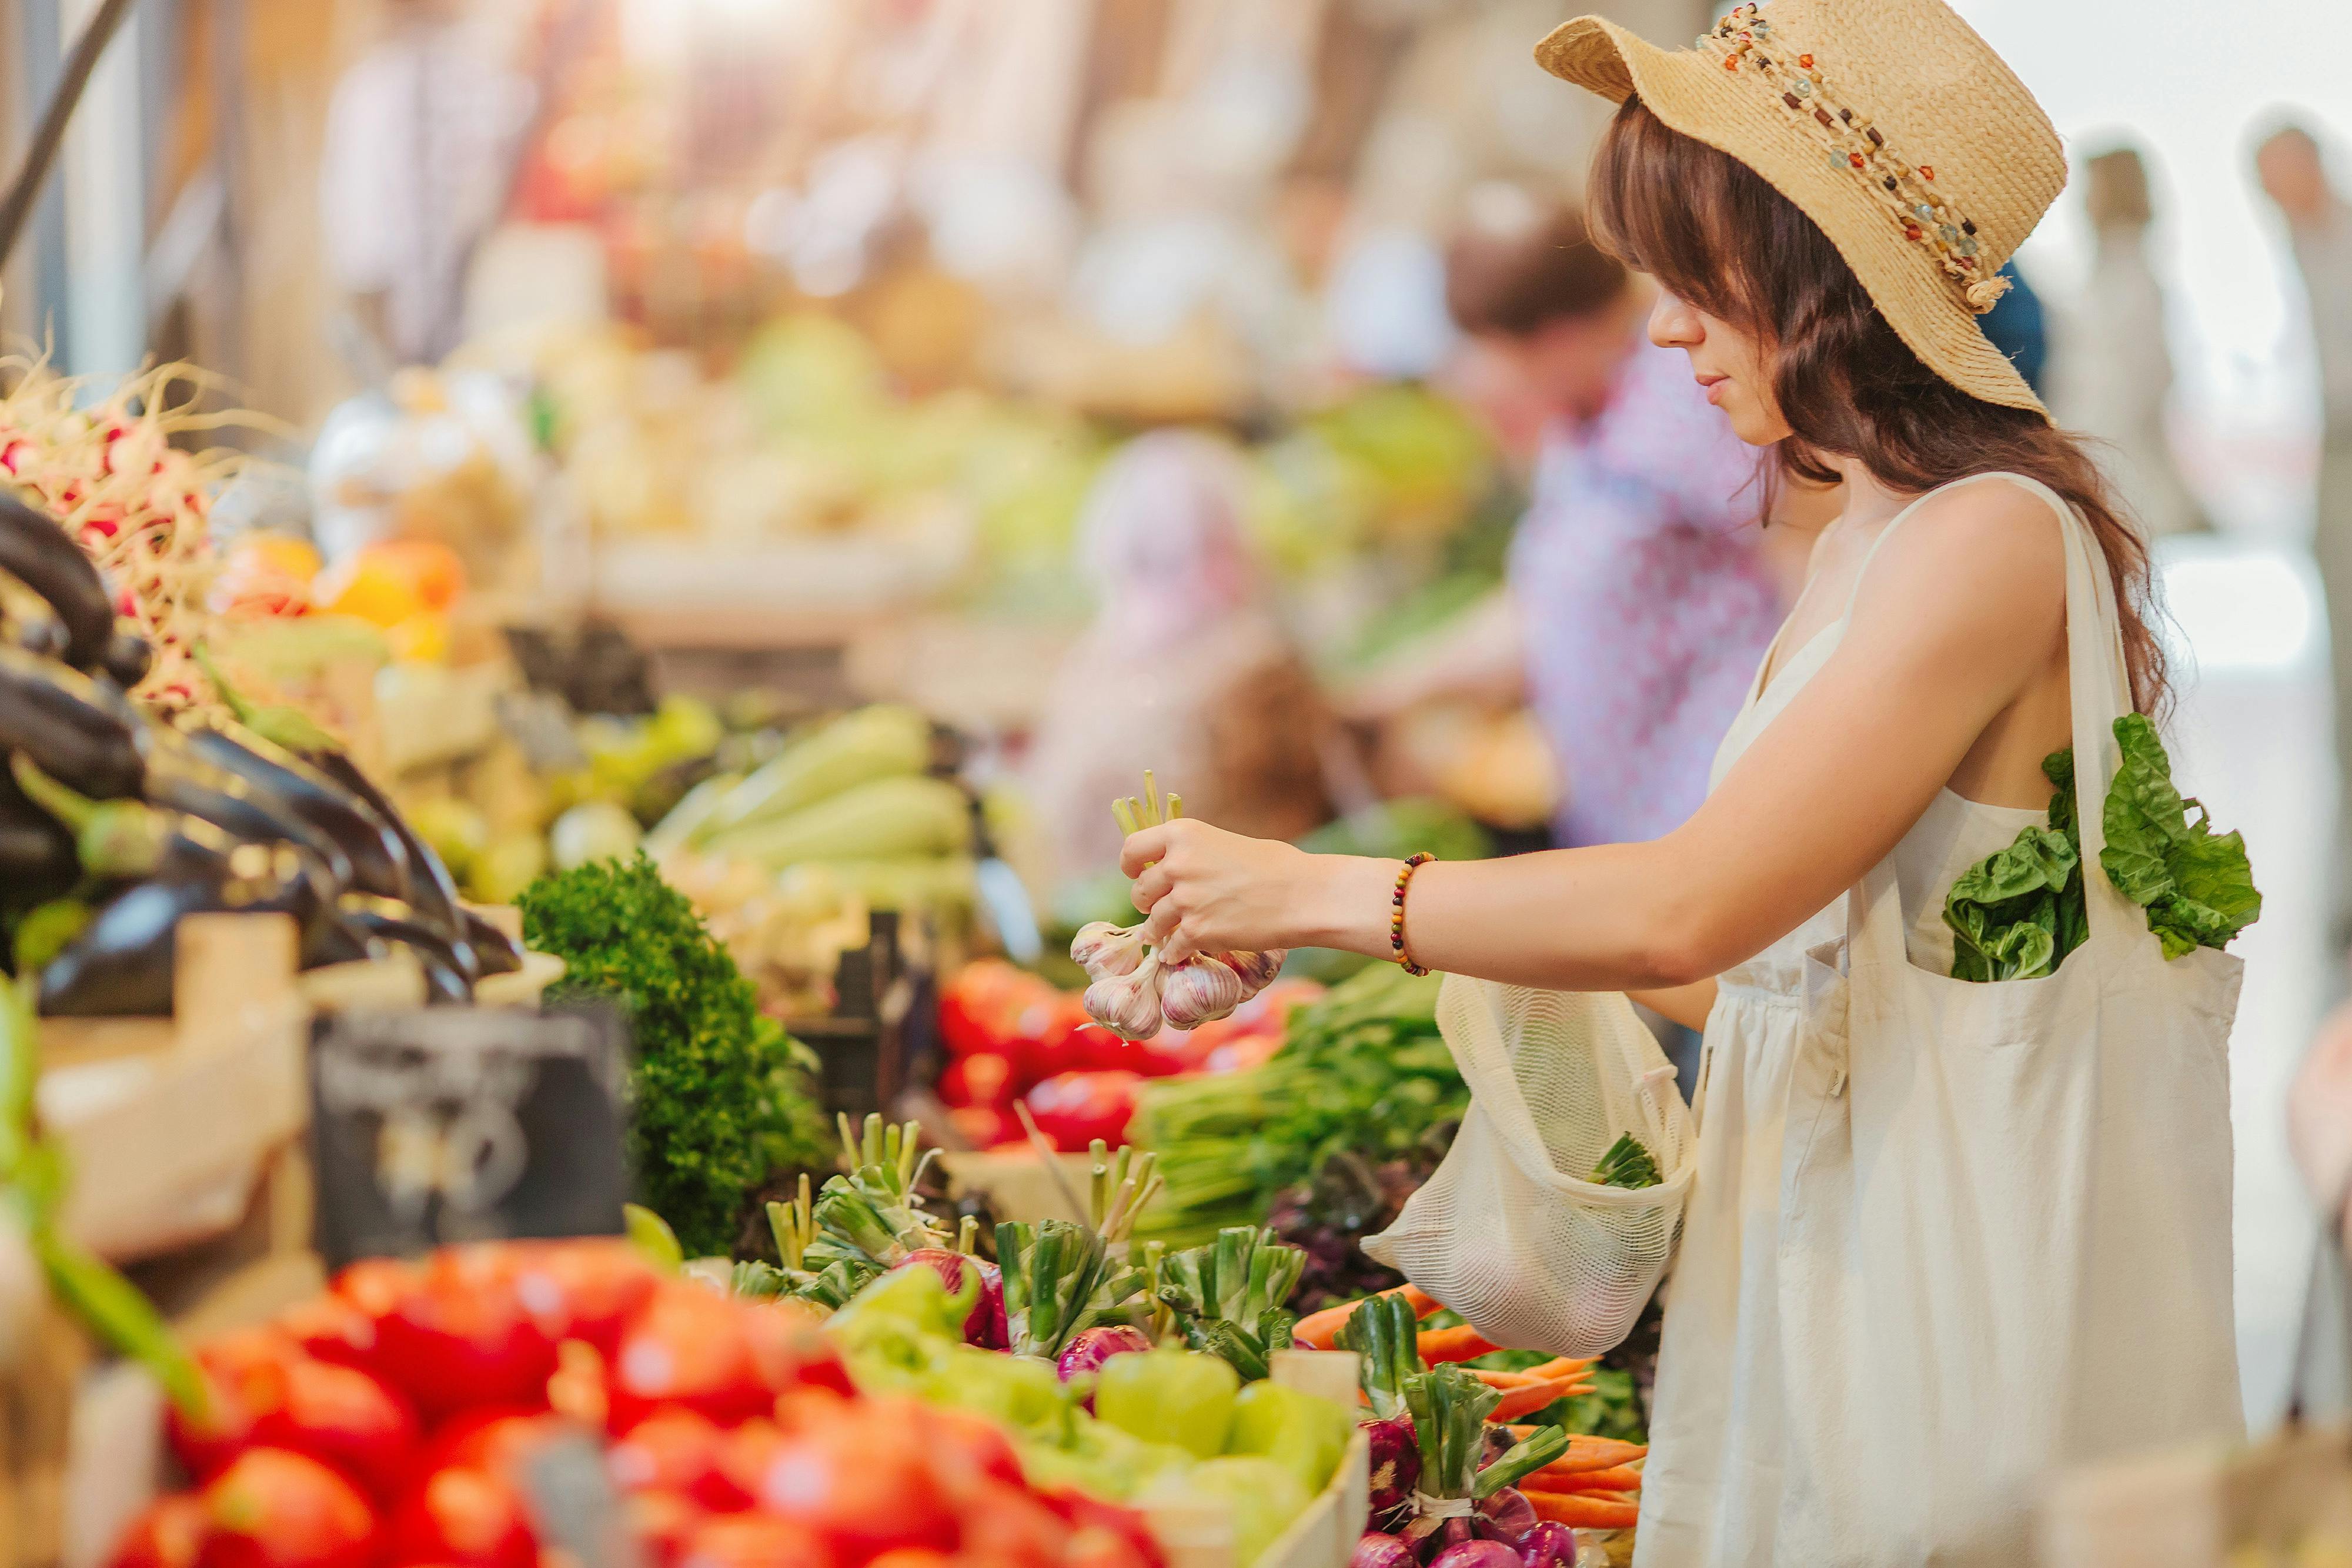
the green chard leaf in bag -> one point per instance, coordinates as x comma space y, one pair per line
2196, 884
2018, 912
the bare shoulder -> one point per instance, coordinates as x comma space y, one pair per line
1985, 559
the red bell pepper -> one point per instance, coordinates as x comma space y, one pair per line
1073, 1109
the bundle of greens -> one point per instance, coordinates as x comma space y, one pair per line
1227, 1297
719, 1095
860, 1225
1628, 1164
1362, 1072
2017, 913
1385, 1335
1060, 1279
1449, 1407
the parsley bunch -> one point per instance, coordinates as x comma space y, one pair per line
722, 1096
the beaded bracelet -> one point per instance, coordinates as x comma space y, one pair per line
1396, 915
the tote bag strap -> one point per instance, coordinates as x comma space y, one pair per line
2100, 692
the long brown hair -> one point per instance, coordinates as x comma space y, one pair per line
1715, 234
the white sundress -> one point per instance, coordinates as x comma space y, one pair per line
1945, 1237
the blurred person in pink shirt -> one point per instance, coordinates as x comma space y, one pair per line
1642, 593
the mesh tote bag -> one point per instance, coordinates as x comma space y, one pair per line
1511, 1231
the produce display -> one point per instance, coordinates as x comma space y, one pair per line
441, 1411
1362, 1074
1457, 1480
122, 822
719, 1095
1015, 1041
2018, 912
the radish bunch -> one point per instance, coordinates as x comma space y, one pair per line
1134, 992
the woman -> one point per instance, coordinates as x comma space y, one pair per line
1944, 1238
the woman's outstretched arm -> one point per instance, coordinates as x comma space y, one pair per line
1963, 615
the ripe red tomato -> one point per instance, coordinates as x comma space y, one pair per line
661, 1522
754, 1540
1008, 1523
856, 1482
1074, 1109
967, 1448
914, 1557
168, 1533
692, 1347
982, 1078
238, 1392
789, 1349
673, 1452
272, 1509
496, 1440
458, 1336
331, 1328
583, 1289
464, 1518
342, 1416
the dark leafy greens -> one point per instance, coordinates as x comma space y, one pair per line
2017, 913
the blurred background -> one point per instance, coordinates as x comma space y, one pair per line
1121, 382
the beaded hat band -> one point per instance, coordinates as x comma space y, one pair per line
1744, 41
1890, 123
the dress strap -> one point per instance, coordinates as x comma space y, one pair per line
1854, 595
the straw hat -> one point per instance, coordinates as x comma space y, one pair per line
1889, 122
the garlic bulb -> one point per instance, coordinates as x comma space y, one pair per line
1199, 990
1257, 970
1128, 1005
1104, 950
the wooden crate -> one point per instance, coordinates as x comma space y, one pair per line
1018, 1184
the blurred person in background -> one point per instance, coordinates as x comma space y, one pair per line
421, 138
1639, 602
1184, 670
2017, 326
2319, 230
2120, 370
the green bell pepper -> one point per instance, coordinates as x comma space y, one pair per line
1170, 1396
1298, 1430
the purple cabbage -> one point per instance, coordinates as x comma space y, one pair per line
1549, 1545
1507, 1516
1089, 1348
1477, 1554
986, 1326
1396, 1462
1379, 1550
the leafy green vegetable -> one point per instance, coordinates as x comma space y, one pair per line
1627, 1165
2018, 912
1362, 1070
721, 1094
2196, 884
1228, 1297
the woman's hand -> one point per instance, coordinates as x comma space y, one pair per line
1208, 890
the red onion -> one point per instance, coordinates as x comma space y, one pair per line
1508, 1515
1549, 1545
1396, 1462
1379, 1550
1477, 1554
986, 1326
1089, 1348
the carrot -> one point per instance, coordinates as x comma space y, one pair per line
1502, 1381
1459, 1344
1586, 1454
1563, 1365
1528, 1399
1619, 1478
1320, 1331
1583, 1511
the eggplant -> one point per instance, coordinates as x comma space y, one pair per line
245, 814
433, 890
39, 554
451, 967
378, 859
69, 725
494, 952
122, 964
127, 660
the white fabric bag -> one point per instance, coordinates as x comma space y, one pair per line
1510, 1231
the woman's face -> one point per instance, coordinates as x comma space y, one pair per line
1729, 363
